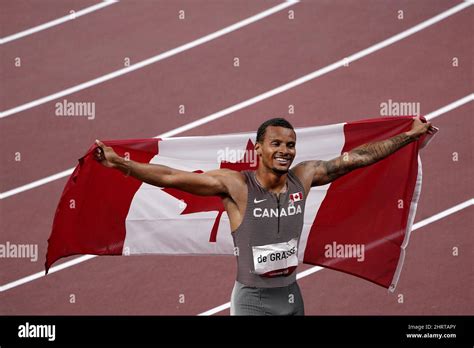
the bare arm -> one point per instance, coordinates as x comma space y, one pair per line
315, 173
212, 183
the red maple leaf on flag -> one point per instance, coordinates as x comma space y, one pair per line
197, 204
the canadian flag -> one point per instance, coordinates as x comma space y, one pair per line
295, 197
103, 212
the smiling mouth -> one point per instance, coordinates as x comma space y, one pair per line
282, 161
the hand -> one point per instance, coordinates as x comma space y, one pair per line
419, 128
106, 155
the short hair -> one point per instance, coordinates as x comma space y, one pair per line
277, 122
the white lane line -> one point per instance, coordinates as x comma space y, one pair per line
443, 214
300, 275
41, 274
451, 106
195, 124
36, 183
315, 269
69, 17
150, 60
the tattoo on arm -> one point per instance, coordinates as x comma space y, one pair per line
327, 171
364, 155
370, 153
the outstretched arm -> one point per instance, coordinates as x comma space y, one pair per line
315, 173
211, 183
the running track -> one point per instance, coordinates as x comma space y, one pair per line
144, 103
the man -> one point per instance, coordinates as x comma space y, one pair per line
265, 207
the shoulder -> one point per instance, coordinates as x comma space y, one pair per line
301, 169
305, 172
235, 183
228, 175
307, 168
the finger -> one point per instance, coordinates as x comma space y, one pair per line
99, 153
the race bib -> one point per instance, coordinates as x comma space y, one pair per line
274, 260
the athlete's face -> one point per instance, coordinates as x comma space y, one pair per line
278, 149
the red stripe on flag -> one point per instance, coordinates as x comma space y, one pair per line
90, 217
364, 208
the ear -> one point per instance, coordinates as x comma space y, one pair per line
258, 149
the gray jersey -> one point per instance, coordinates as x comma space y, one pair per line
267, 239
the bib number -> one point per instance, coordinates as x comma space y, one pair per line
273, 260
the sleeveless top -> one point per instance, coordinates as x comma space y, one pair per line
266, 242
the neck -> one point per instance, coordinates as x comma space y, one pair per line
270, 180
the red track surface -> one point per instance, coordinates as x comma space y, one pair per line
272, 52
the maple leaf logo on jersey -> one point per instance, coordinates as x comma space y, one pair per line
197, 204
